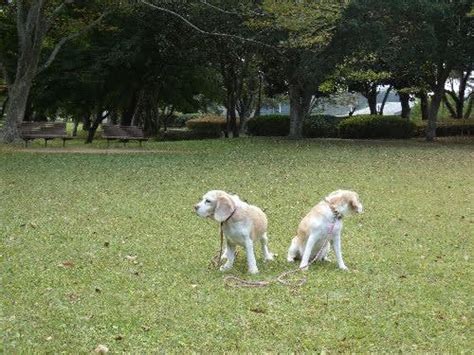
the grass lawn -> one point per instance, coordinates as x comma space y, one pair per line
104, 248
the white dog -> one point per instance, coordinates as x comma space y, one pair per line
321, 224
242, 224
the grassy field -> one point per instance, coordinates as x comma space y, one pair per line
104, 248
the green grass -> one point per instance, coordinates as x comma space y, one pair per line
69, 221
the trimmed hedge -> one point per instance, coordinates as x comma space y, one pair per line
185, 134
207, 123
447, 130
279, 125
375, 126
269, 125
180, 121
322, 126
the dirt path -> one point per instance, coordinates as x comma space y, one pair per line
96, 151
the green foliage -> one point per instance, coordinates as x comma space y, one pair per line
269, 125
316, 126
375, 126
101, 247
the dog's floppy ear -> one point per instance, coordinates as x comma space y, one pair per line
355, 204
224, 208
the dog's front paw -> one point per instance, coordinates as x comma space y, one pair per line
344, 268
304, 268
253, 271
270, 257
225, 267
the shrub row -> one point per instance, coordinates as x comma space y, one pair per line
269, 125
373, 126
366, 126
206, 122
182, 135
447, 130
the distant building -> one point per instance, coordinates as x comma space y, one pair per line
334, 108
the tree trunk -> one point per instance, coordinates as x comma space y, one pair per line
424, 106
127, 114
86, 122
74, 128
384, 101
433, 114
299, 104
15, 111
232, 116
438, 93
467, 114
463, 78
372, 99
447, 104
99, 117
258, 106
405, 102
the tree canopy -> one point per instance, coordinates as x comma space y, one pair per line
140, 61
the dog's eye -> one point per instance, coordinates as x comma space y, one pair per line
207, 201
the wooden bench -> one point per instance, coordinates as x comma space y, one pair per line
43, 130
123, 133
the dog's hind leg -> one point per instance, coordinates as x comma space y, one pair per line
252, 263
324, 253
267, 254
293, 251
308, 250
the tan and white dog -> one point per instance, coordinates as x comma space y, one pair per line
323, 223
242, 224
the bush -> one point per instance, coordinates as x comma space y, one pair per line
269, 125
185, 134
326, 126
448, 129
374, 126
207, 123
180, 121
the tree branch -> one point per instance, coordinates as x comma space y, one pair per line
20, 22
58, 46
215, 34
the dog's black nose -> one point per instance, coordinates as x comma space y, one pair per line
196, 207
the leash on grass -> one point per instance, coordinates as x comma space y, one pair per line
234, 281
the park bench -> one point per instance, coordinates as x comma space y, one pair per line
43, 130
123, 133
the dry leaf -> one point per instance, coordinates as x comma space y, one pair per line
101, 349
67, 263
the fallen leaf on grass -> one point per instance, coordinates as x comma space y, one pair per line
258, 310
101, 349
66, 264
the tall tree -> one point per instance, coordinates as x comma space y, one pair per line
303, 31
34, 19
